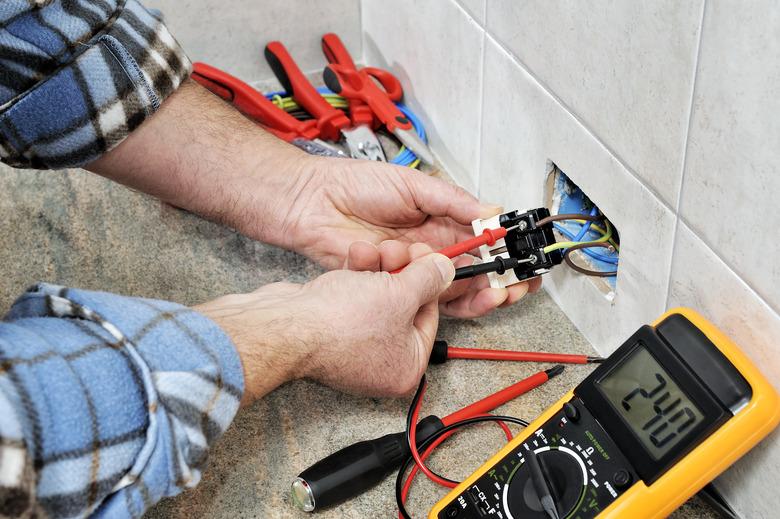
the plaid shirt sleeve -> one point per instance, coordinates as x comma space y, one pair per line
77, 76
107, 403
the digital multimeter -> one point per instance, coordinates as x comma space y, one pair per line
666, 413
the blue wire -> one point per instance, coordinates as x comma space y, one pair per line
585, 228
404, 158
593, 254
407, 157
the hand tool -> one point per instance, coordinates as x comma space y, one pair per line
442, 352
353, 469
360, 113
362, 142
667, 412
257, 107
359, 84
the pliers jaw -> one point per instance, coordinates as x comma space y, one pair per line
363, 143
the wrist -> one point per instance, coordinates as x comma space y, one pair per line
271, 198
264, 330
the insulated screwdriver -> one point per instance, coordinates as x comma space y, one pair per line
356, 468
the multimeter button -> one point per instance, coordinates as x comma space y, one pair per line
571, 412
453, 510
622, 478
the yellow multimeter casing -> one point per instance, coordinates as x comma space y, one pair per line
718, 448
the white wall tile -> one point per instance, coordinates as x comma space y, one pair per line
232, 35
439, 62
475, 8
625, 68
521, 133
731, 191
703, 282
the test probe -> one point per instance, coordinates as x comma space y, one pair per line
515, 246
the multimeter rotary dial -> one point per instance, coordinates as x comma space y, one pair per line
566, 477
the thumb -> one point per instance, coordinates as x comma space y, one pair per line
427, 277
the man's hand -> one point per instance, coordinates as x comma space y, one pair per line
362, 332
381, 208
198, 153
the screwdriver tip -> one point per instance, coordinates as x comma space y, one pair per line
595, 360
554, 371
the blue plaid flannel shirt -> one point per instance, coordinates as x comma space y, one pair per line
107, 403
77, 76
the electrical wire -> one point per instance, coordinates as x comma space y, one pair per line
569, 244
595, 255
585, 228
568, 216
432, 447
411, 436
601, 231
405, 156
399, 497
581, 270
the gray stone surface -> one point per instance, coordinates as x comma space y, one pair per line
76, 229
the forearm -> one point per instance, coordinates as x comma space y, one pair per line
200, 154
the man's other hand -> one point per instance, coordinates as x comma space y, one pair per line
368, 333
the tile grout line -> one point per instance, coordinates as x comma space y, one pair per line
569, 110
481, 92
730, 268
686, 145
481, 119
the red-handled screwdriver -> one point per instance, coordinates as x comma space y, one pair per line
499, 398
443, 352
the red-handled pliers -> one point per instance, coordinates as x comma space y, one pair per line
336, 52
358, 84
257, 107
363, 119
362, 142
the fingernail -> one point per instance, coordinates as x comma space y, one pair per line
445, 266
499, 295
488, 210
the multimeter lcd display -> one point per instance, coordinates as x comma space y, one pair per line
650, 402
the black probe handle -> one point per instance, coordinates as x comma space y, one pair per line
439, 352
354, 469
499, 265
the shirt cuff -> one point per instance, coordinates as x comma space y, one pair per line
159, 383
95, 101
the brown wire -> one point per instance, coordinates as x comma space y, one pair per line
585, 271
569, 216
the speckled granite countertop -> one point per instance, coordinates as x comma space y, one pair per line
77, 229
